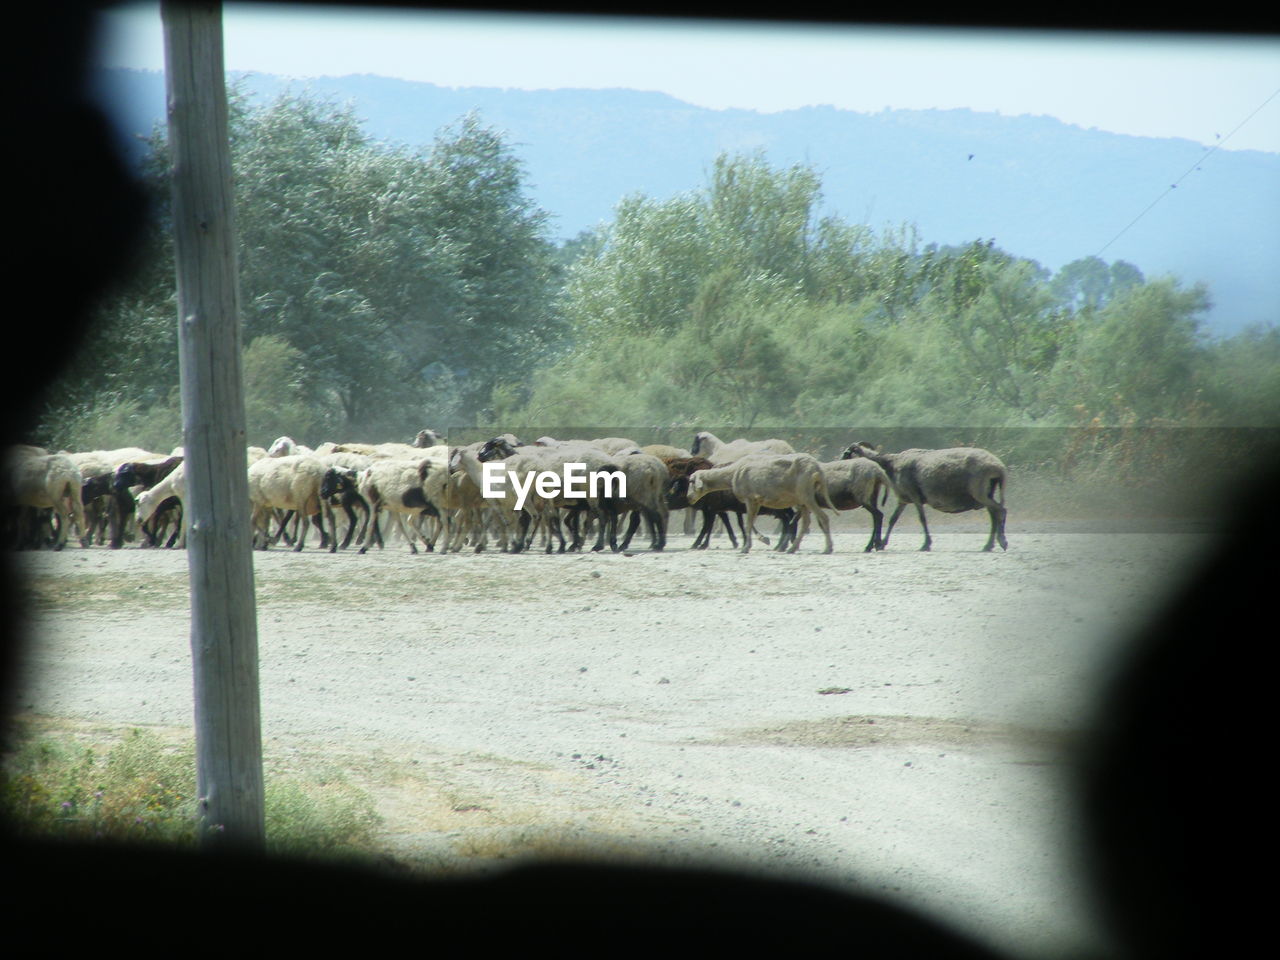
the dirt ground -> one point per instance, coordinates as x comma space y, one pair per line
899, 722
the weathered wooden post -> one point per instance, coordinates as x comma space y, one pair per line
224, 632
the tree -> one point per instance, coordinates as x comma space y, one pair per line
405, 283
505, 268
1136, 359
1001, 317
1089, 284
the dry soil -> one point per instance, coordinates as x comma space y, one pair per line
899, 722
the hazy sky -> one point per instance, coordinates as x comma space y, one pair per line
1201, 88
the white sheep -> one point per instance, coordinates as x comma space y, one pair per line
527, 461
288, 447
174, 485
286, 483
475, 513
708, 445
764, 480
396, 486
612, 445
48, 481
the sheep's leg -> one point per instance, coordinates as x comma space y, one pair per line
526, 527
175, 536
304, 524
633, 524
325, 540
997, 513
799, 528
429, 529
522, 529
77, 514
370, 531
372, 524
464, 523
595, 514
877, 520
755, 532
658, 525
351, 524
504, 528
551, 518
494, 517
120, 506
364, 522
825, 523
752, 509
460, 525
928, 540
282, 532
728, 527
703, 538
352, 521
64, 523
893, 519
449, 527
612, 519
407, 531
786, 531
605, 516
262, 524
574, 524
793, 533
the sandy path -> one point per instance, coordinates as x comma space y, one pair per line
897, 720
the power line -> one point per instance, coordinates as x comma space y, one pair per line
1194, 167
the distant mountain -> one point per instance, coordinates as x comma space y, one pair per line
1041, 188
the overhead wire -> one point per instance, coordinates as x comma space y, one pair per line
1190, 170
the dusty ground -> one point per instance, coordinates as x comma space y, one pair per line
900, 722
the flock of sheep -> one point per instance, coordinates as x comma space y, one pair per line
434, 493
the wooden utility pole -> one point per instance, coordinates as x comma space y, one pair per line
224, 630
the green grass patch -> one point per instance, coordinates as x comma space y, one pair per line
140, 787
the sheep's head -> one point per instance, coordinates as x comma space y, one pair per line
427, 438
95, 487
496, 449
126, 476
677, 493
283, 447
148, 501
336, 482
859, 448
700, 441
697, 487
